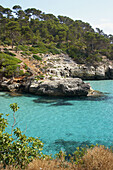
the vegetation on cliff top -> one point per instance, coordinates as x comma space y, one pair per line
48, 33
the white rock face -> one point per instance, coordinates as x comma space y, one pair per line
63, 66
61, 87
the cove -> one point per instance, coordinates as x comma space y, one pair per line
65, 123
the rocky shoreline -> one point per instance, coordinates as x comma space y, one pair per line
64, 87
61, 77
60, 87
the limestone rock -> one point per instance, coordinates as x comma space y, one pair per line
62, 87
5, 86
100, 72
64, 66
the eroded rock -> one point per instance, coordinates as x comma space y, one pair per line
62, 87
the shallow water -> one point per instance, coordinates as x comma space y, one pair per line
65, 123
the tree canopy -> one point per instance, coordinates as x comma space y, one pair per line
32, 26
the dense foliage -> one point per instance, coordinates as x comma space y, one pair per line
15, 148
48, 33
9, 65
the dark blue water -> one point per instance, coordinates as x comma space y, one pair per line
65, 123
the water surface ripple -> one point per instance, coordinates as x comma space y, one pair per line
65, 123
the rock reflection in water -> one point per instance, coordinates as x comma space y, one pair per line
45, 101
62, 104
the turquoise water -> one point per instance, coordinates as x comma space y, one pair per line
65, 123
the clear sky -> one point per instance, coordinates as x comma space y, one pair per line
99, 13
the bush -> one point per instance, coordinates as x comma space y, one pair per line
21, 73
11, 70
40, 77
9, 53
37, 57
5, 49
34, 50
27, 74
38, 50
26, 67
54, 51
94, 58
9, 65
7, 59
98, 158
23, 47
15, 148
25, 53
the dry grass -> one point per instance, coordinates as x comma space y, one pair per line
40, 164
50, 165
98, 158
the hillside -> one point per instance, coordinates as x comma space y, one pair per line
51, 34
50, 66
50, 47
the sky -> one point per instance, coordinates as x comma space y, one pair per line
98, 13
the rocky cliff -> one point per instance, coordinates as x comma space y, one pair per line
60, 76
64, 66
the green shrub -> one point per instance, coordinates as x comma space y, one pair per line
41, 76
23, 48
15, 148
5, 49
40, 44
26, 67
9, 53
94, 58
11, 70
37, 50
37, 57
7, 42
9, 65
27, 74
80, 152
54, 51
21, 73
7, 59
40, 48
25, 53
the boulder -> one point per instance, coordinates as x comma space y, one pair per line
110, 72
100, 72
6, 86
95, 93
62, 87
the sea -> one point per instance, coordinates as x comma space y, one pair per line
64, 123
